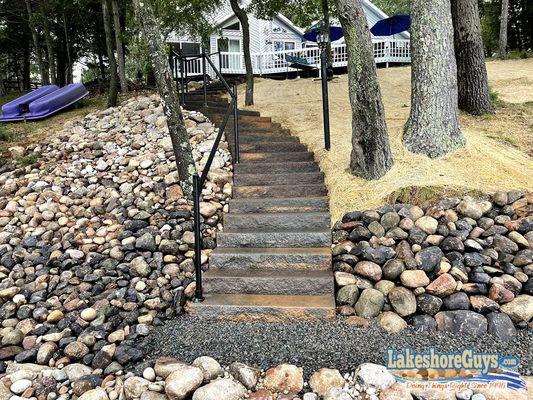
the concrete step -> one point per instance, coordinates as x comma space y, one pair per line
266, 135
270, 147
273, 221
278, 238
310, 258
263, 131
250, 139
296, 178
211, 110
270, 191
247, 125
199, 102
276, 157
266, 308
287, 282
288, 167
245, 120
296, 204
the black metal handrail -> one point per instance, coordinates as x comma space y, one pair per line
199, 180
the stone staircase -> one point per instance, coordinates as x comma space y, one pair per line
273, 260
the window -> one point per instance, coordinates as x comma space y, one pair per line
188, 49
290, 45
229, 45
233, 27
280, 45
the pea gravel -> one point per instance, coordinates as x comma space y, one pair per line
311, 344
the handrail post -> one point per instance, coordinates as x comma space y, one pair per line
198, 294
182, 80
205, 78
236, 124
186, 76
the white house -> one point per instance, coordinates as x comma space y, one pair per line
271, 40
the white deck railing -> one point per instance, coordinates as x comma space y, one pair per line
385, 51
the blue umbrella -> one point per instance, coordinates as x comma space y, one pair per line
335, 33
391, 26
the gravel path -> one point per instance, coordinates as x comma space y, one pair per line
311, 345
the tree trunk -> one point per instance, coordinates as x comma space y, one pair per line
26, 69
113, 78
120, 48
243, 18
504, 19
45, 79
371, 156
49, 44
472, 80
151, 30
2, 87
67, 47
433, 126
325, 12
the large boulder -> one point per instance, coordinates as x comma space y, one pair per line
325, 379
181, 383
370, 303
391, 322
164, 366
94, 394
461, 321
403, 301
368, 269
245, 374
209, 366
443, 286
414, 278
134, 387
284, 378
520, 308
500, 325
220, 389
374, 375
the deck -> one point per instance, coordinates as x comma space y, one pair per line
385, 51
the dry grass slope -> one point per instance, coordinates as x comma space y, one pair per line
496, 156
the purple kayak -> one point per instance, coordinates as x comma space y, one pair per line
49, 104
13, 110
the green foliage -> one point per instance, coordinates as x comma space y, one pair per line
138, 64
490, 25
30, 159
494, 96
5, 136
393, 7
186, 16
302, 12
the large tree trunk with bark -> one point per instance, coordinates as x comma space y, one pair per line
151, 30
371, 156
113, 78
243, 18
472, 80
504, 19
433, 125
120, 48
45, 79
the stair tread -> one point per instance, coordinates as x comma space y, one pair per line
280, 273
273, 250
291, 185
268, 301
276, 230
